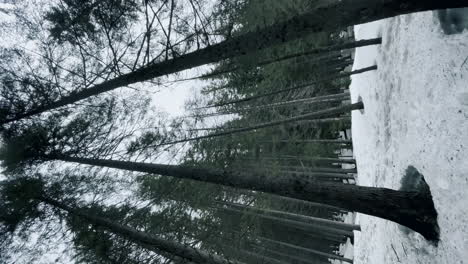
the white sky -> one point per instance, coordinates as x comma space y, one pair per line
171, 99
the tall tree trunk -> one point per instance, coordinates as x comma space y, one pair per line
175, 259
413, 209
316, 169
298, 217
313, 228
315, 252
315, 121
309, 204
171, 247
313, 159
336, 47
313, 100
337, 66
316, 115
327, 18
331, 141
316, 175
296, 87
288, 256
250, 255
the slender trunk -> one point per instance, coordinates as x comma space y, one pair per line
326, 238
329, 239
315, 252
309, 227
317, 169
316, 175
317, 115
312, 159
296, 87
310, 204
171, 247
307, 238
248, 110
249, 255
312, 100
299, 217
413, 209
337, 47
315, 121
331, 141
175, 259
287, 256
337, 66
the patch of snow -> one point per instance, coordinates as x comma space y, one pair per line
6, 6
416, 113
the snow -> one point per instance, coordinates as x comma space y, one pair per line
416, 113
346, 249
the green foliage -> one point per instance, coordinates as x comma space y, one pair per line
18, 202
76, 19
180, 210
24, 146
243, 77
20, 93
95, 244
162, 190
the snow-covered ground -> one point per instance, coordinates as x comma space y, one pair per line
416, 113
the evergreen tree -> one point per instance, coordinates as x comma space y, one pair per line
413, 209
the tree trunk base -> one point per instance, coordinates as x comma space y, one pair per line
425, 221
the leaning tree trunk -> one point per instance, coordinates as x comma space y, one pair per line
316, 115
288, 256
171, 247
308, 250
327, 18
329, 141
327, 49
308, 227
248, 256
318, 160
309, 204
314, 121
315, 169
318, 175
413, 209
175, 259
296, 87
313, 100
297, 217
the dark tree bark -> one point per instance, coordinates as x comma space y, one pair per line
309, 204
318, 175
314, 115
308, 227
313, 159
255, 258
171, 247
330, 141
327, 18
315, 121
298, 217
316, 169
413, 209
288, 256
313, 100
296, 87
315, 252
322, 59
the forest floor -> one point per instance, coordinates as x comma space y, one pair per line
416, 113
